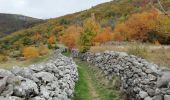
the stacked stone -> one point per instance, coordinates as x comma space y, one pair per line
54, 80
140, 79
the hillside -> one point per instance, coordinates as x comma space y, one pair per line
107, 14
11, 22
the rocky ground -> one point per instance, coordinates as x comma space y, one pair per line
54, 80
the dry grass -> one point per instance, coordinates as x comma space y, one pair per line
153, 53
108, 47
160, 56
13, 62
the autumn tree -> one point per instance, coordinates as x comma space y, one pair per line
146, 26
70, 36
90, 29
120, 32
104, 36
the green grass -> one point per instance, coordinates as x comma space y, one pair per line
68, 53
104, 88
81, 90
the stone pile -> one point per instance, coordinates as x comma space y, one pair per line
54, 80
139, 79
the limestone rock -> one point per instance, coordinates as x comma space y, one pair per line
143, 94
44, 76
166, 97
3, 82
25, 88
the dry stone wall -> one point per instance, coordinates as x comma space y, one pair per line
54, 80
140, 79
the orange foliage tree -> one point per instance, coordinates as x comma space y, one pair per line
70, 36
30, 52
146, 26
120, 33
104, 36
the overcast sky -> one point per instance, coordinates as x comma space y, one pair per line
46, 8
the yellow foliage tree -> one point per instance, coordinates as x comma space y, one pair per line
90, 29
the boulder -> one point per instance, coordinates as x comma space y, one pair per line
44, 76
164, 80
166, 97
25, 88
3, 82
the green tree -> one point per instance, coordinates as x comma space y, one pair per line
90, 29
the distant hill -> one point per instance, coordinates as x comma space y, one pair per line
107, 14
11, 22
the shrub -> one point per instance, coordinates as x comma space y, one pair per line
157, 42
3, 58
53, 46
30, 52
15, 54
52, 40
43, 50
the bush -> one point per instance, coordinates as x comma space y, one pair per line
15, 54
43, 50
3, 58
53, 46
84, 49
138, 50
30, 52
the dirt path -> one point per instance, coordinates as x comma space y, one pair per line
93, 92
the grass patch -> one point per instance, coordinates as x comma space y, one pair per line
81, 90
68, 53
104, 88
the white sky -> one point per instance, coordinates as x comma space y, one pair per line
46, 8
